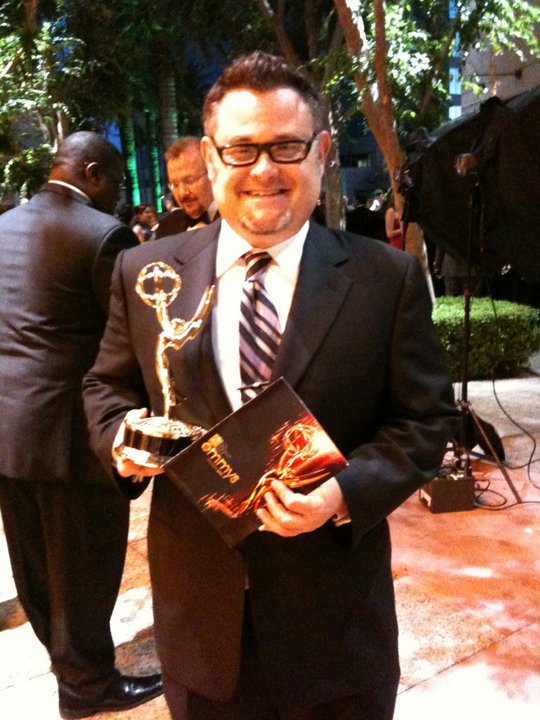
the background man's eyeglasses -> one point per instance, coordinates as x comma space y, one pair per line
282, 151
186, 182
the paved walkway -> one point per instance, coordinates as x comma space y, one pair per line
467, 588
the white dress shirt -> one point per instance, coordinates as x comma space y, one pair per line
280, 283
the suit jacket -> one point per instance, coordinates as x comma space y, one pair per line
360, 349
57, 257
363, 221
177, 221
172, 223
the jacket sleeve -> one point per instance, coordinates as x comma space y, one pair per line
114, 384
407, 445
119, 238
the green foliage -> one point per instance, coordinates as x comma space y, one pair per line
26, 172
88, 62
421, 37
35, 64
503, 336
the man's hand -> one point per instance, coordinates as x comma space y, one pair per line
124, 466
289, 513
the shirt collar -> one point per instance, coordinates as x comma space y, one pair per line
71, 187
232, 246
211, 210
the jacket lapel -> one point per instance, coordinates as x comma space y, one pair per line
320, 291
319, 294
197, 256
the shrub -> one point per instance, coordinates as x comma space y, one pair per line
503, 336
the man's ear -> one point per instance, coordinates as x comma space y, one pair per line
209, 155
93, 173
324, 146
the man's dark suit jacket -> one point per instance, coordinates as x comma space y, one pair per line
57, 256
363, 221
360, 349
173, 223
177, 221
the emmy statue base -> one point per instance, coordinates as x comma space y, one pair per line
151, 441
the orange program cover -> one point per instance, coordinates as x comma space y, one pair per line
227, 471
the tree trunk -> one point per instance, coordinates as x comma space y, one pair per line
377, 106
333, 198
169, 112
153, 148
127, 135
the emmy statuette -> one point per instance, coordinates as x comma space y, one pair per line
151, 441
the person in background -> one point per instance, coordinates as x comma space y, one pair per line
393, 224
377, 201
298, 622
189, 184
144, 222
362, 221
168, 203
125, 213
453, 271
65, 522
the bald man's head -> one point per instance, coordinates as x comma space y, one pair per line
93, 164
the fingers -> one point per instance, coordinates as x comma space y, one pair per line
119, 437
292, 501
126, 466
290, 513
286, 513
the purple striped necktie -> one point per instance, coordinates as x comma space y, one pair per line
260, 332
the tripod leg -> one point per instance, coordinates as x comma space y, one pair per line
494, 454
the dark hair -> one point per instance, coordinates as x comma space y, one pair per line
360, 197
125, 213
179, 146
262, 72
138, 209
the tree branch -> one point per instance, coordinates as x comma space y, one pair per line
30, 13
275, 22
352, 26
437, 68
381, 55
311, 24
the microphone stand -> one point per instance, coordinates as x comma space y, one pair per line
467, 166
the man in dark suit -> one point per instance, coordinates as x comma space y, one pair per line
314, 635
363, 221
65, 522
190, 186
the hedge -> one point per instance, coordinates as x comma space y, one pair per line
503, 336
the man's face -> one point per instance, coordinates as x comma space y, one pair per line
105, 190
266, 202
189, 183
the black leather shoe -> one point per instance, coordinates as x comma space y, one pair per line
123, 693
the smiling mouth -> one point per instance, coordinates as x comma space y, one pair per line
265, 193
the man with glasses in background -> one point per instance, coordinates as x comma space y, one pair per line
65, 522
190, 186
298, 621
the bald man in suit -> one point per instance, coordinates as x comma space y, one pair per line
65, 521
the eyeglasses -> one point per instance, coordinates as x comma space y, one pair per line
186, 182
284, 152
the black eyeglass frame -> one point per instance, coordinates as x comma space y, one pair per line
267, 148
